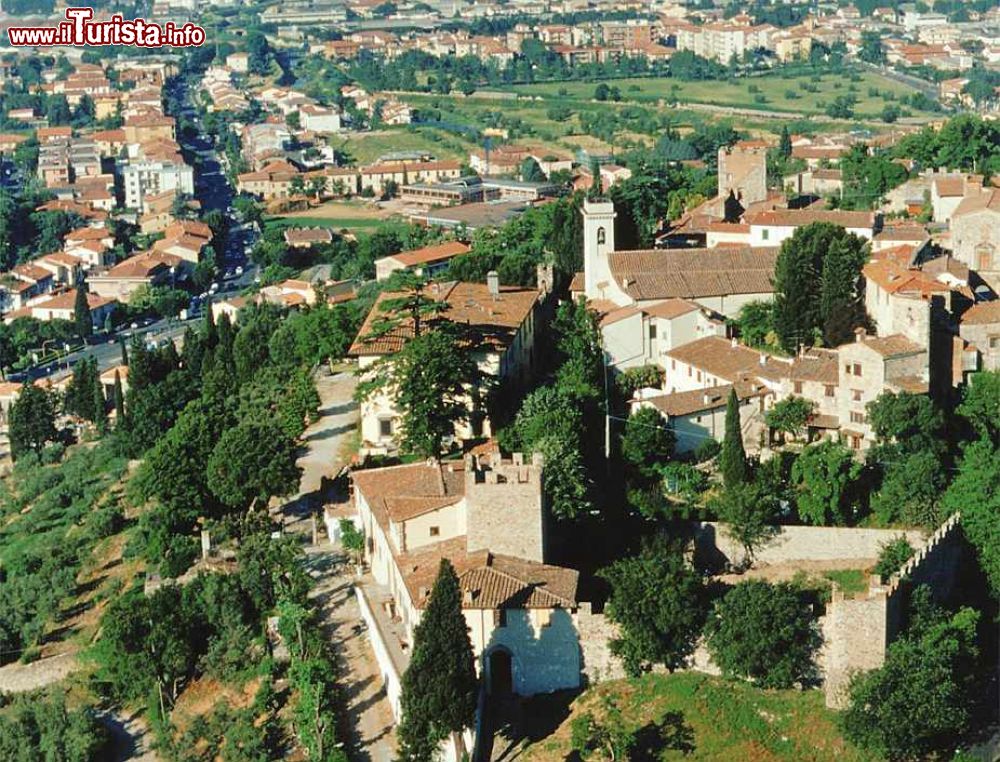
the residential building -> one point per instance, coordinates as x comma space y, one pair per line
62, 306
144, 178
426, 262
499, 323
489, 520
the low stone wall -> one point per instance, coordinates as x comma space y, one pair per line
390, 675
714, 546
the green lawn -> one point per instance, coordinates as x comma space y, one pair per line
366, 147
775, 89
337, 223
719, 720
850, 581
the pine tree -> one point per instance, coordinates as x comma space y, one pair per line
733, 458
82, 318
439, 687
119, 400
785, 143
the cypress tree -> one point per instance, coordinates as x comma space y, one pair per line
119, 400
841, 309
785, 143
210, 334
81, 312
98, 403
439, 687
733, 458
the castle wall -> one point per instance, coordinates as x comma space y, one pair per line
505, 509
858, 630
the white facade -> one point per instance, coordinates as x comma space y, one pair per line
150, 178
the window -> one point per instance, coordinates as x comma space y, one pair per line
689, 371
765, 234
856, 395
385, 427
602, 236
828, 390
699, 375
435, 531
798, 387
857, 417
500, 617
847, 369
994, 342
855, 443
673, 365
857, 369
697, 419
652, 331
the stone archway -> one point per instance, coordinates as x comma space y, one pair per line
501, 672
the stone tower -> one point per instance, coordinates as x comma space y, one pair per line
598, 242
743, 172
505, 509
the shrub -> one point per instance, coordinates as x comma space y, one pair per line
765, 633
892, 556
706, 450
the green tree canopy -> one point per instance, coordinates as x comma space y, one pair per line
764, 632
825, 476
31, 420
658, 601
921, 701
253, 461
733, 457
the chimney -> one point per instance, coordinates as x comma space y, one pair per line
860, 333
493, 283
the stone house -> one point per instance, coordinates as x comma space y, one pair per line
426, 262
700, 414
980, 327
499, 323
489, 520
975, 235
743, 172
869, 366
772, 227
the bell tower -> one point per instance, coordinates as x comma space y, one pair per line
598, 243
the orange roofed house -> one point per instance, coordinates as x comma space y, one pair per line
426, 262
499, 322
488, 518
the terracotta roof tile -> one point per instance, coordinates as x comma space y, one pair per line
694, 273
485, 319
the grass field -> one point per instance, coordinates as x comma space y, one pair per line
775, 89
366, 147
713, 720
336, 223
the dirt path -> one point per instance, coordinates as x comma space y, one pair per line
18, 678
373, 735
324, 443
131, 738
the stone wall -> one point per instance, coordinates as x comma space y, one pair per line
857, 630
794, 543
596, 631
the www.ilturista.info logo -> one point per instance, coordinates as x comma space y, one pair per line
81, 29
